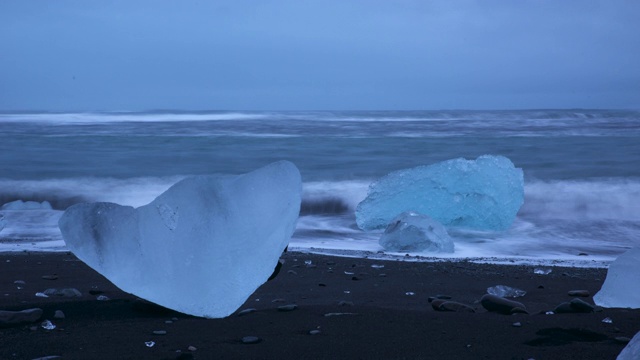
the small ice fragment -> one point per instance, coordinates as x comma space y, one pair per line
348, 273
410, 293
149, 343
377, 266
505, 291
607, 320
549, 313
40, 294
347, 292
307, 262
102, 298
541, 271
47, 325
411, 231
19, 282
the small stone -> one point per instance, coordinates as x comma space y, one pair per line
250, 340
246, 311
314, 332
292, 272
18, 317
581, 306
582, 293
168, 322
159, 332
289, 307
583, 254
501, 305
58, 314
50, 277
355, 278
446, 305
192, 348
345, 303
440, 297
96, 292
322, 285
622, 339
339, 314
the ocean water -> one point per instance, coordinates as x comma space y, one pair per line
582, 170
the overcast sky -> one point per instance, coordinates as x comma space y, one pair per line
319, 55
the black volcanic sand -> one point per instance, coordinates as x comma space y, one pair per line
385, 314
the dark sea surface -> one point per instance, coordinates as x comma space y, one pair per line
582, 169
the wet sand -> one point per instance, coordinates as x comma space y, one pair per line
359, 312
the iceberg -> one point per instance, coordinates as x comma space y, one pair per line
482, 194
620, 288
415, 232
201, 248
632, 350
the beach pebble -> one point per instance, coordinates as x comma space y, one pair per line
439, 296
446, 305
345, 303
58, 314
289, 307
582, 293
67, 292
250, 340
159, 332
18, 317
278, 300
50, 277
622, 339
246, 311
501, 305
575, 306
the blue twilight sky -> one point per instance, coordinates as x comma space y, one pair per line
318, 54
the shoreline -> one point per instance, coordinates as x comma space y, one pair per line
358, 311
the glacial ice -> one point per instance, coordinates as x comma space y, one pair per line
201, 248
410, 231
620, 288
26, 205
483, 194
632, 350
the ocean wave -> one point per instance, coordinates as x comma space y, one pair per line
119, 117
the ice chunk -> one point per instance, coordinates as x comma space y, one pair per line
505, 291
632, 350
201, 248
483, 194
620, 288
26, 205
415, 232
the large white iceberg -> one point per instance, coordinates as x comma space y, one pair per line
416, 232
620, 289
483, 194
201, 248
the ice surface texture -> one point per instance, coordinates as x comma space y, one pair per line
620, 288
201, 248
415, 232
632, 350
483, 194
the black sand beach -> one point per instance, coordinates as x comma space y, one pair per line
359, 312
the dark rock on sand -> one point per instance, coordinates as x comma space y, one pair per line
582, 293
501, 305
67, 292
446, 305
8, 318
289, 307
575, 306
58, 314
50, 277
246, 311
250, 340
